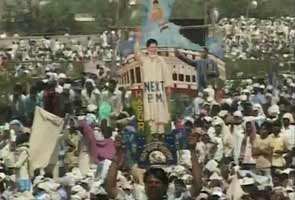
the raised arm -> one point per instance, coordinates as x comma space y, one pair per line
182, 57
137, 53
111, 179
23, 157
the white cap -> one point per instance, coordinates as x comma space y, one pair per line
217, 191
245, 91
45, 80
289, 189
289, 116
238, 114
287, 171
223, 113
249, 81
208, 119
256, 106
256, 85
211, 165
75, 197
77, 188
215, 176
243, 97
217, 121
274, 109
190, 119
202, 196
6, 127
269, 87
62, 76
247, 181
44, 186
2, 175
91, 108
67, 86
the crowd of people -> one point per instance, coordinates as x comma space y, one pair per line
236, 143
34, 55
251, 38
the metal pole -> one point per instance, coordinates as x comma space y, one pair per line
115, 46
205, 12
248, 9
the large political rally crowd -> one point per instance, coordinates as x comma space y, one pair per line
238, 141
256, 39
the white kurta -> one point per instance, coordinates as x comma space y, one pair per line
156, 77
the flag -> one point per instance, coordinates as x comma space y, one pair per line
46, 132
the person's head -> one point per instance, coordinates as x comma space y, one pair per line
22, 138
205, 52
156, 183
112, 85
33, 92
264, 129
256, 111
218, 129
248, 127
17, 90
188, 124
155, 2
248, 109
205, 138
215, 110
89, 85
206, 123
286, 122
152, 47
288, 119
276, 127
179, 187
51, 86
105, 129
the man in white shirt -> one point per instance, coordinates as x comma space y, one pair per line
288, 130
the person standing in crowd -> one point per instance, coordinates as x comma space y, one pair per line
22, 163
72, 142
90, 94
288, 132
207, 69
223, 135
112, 95
262, 151
279, 146
238, 132
66, 100
246, 155
157, 83
51, 98
258, 97
32, 100
17, 103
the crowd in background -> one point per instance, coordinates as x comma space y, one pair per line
33, 56
255, 39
